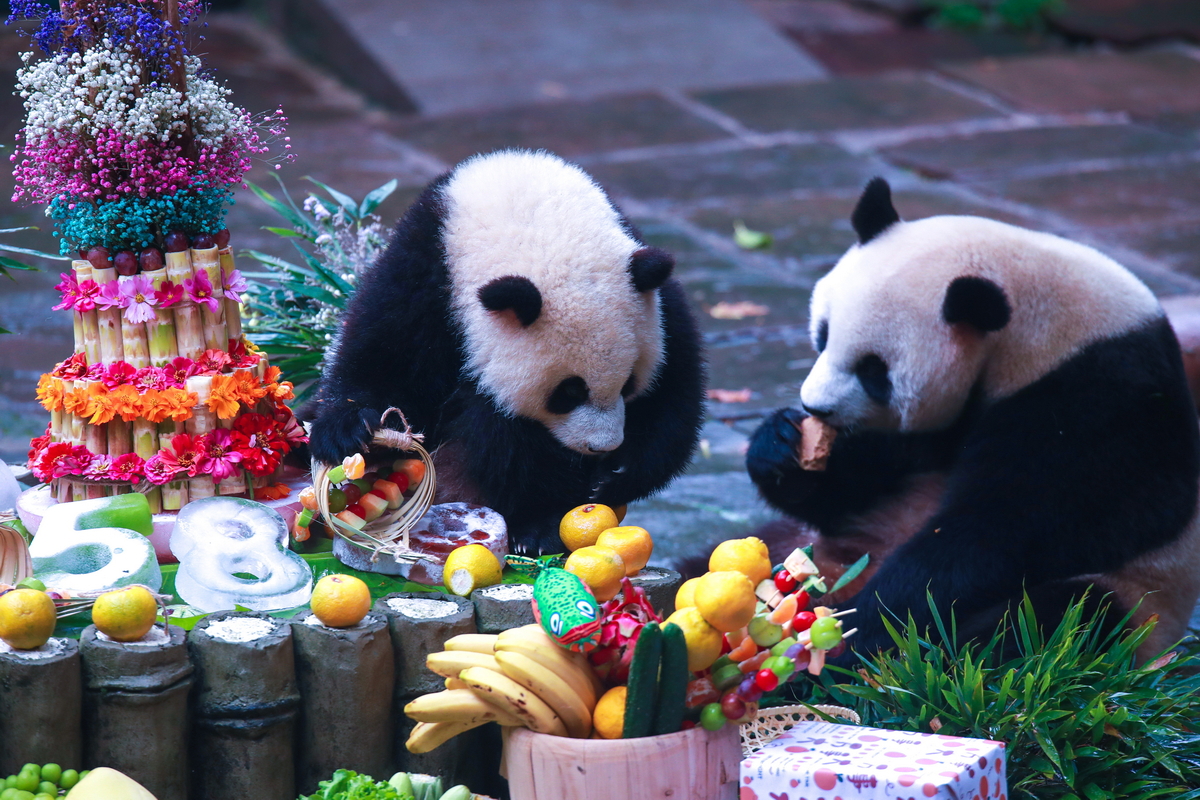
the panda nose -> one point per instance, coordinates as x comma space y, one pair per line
819, 413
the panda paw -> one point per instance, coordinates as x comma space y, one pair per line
774, 446
536, 539
342, 432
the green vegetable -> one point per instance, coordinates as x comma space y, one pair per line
642, 698
459, 792
401, 783
748, 239
349, 785
426, 787
672, 681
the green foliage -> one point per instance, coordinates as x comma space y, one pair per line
1012, 15
1083, 721
7, 263
349, 785
293, 306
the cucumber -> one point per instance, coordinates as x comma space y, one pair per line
672, 682
643, 682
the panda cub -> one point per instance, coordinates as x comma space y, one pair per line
520, 323
1013, 414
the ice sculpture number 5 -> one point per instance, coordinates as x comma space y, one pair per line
233, 552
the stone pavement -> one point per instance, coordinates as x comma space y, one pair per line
1094, 144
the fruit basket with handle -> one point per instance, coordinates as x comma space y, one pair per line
389, 533
772, 722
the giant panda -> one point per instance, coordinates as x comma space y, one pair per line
1013, 416
518, 321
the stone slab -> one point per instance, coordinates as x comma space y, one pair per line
454, 55
910, 48
1144, 83
1129, 21
749, 172
890, 101
571, 128
1152, 195
1005, 153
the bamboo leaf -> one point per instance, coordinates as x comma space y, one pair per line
852, 572
376, 197
31, 252
342, 199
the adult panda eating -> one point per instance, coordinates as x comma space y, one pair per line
519, 322
1013, 414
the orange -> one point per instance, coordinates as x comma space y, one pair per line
686, 596
340, 601
748, 556
601, 568
633, 543
125, 615
581, 526
703, 640
726, 599
27, 618
608, 718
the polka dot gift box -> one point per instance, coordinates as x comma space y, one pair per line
825, 761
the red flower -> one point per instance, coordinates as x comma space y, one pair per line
61, 459
211, 362
127, 468
264, 447
240, 357
168, 294
38, 444
219, 453
179, 370
73, 368
89, 291
183, 454
119, 374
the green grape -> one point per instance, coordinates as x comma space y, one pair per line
712, 718
51, 772
46, 787
726, 676
782, 646
69, 778
826, 633
27, 780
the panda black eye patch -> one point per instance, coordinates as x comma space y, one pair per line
568, 395
872, 373
822, 335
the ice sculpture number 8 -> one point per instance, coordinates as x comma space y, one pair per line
221, 540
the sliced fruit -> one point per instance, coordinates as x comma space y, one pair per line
374, 504
471, 567
390, 491
352, 519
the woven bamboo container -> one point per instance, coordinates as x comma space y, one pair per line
690, 765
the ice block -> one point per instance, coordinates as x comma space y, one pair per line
221, 540
93, 560
129, 511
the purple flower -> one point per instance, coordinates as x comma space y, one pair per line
200, 289
139, 290
233, 284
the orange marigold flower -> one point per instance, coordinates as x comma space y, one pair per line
250, 390
103, 409
127, 401
178, 403
153, 408
78, 402
50, 392
223, 400
281, 391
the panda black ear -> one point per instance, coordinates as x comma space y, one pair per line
650, 267
978, 302
512, 292
874, 212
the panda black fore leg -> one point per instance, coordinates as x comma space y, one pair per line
340, 432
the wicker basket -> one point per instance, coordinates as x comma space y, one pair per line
389, 533
771, 722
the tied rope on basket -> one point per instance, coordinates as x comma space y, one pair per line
389, 533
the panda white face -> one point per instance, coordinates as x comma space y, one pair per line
919, 315
557, 302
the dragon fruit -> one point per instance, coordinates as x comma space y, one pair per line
621, 621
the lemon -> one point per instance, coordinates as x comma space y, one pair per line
633, 543
581, 526
686, 596
27, 618
340, 601
703, 640
470, 567
748, 556
125, 615
608, 718
601, 568
725, 599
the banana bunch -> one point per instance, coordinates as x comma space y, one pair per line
518, 677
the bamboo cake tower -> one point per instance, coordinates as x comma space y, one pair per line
135, 151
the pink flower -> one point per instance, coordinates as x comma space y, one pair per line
168, 294
151, 378
157, 470
290, 429
61, 459
89, 290
233, 285
183, 454
140, 291
110, 296
200, 289
127, 468
100, 468
119, 373
179, 370
70, 291
212, 361
95, 372
219, 453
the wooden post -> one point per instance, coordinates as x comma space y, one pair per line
160, 333
233, 309
208, 261
202, 422
111, 344
189, 331
89, 321
175, 493
133, 336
